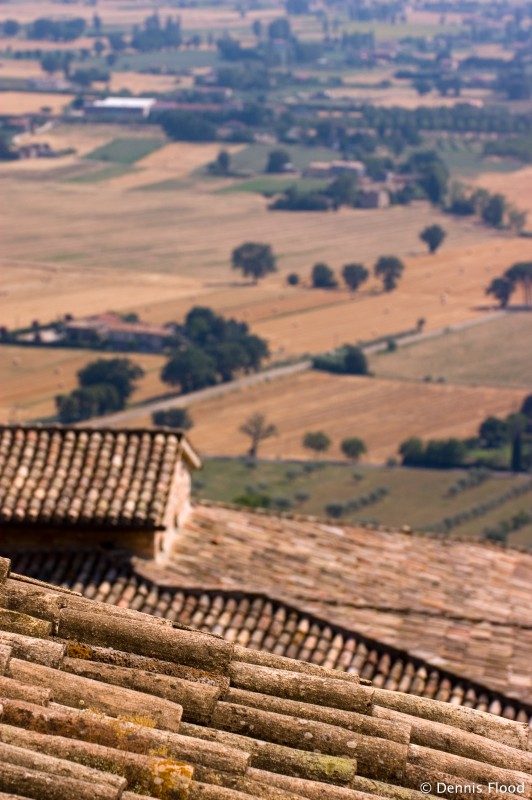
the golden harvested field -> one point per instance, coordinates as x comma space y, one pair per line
172, 162
47, 292
407, 97
126, 14
516, 186
32, 44
382, 412
444, 289
137, 83
20, 68
171, 249
31, 102
31, 377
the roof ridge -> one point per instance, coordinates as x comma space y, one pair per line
406, 530
81, 428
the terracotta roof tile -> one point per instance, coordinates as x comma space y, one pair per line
119, 705
257, 622
472, 601
76, 476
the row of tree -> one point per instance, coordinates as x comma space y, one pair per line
256, 260
387, 268
494, 433
258, 429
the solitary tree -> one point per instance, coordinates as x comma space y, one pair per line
526, 408
517, 425
277, 161
120, 373
354, 276
223, 162
254, 259
433, 236
353, 448
177, 418
323, 277
389, 269
494, 210
99, 47
317, 441
434, 181
355, 361
501, 289
258, 430
521, 275
292, 279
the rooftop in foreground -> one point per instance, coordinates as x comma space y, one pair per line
462, 606
103, 703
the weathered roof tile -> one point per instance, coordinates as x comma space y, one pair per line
68, 476
109, 726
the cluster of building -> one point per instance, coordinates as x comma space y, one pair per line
370, 194
139, 109
112, 329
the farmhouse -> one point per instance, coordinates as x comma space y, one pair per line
119, 109
373, 198
94, 488
332, 169
113, 329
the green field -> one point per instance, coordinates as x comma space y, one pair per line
496, 353
270, 184
104, 174
126, 150
254, 157
416, 497
465, 160
171, 59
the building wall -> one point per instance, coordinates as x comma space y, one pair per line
20, 537
177, 510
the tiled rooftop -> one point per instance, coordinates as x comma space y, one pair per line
102, 703
465, 607
74, 476
257, 622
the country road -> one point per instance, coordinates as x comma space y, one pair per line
186, 400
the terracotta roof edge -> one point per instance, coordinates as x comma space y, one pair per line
406, 530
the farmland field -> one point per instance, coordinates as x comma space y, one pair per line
517, 187
32, 102
406, 96
126, 151
80, 227
415, 497
46, 292
31, 378
141, 84
495, 354
382, 412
